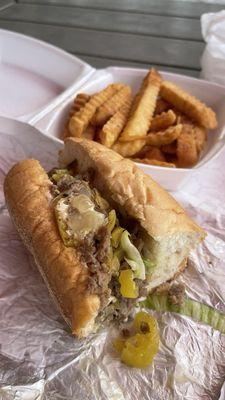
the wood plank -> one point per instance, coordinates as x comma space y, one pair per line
157, 7
119, 46
99, 62
5, 4
182, 28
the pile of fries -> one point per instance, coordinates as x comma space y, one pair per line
161, 125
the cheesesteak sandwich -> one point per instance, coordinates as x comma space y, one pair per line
102, 233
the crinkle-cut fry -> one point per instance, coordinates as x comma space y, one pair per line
154, 162
79, 102
169, 148
89, 132
161, 106
112, 129
187, 153
79, 122
112, 105
65, 132
163, 121
154, 153
164, 137
142, 111
128, 149
200, 136
188, 105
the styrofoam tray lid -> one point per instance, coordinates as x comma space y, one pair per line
35, 76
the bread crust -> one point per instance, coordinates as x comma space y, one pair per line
136, 193
28, 197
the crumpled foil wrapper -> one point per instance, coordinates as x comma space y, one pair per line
40, 359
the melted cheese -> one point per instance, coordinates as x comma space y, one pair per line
78, 213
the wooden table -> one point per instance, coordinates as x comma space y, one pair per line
140, 33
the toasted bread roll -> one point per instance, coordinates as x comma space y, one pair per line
27, 192
167, 232
137, 195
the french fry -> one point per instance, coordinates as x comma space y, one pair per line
113, 104
154, 153
200, 136
164, 137
158, 139
188, 105
143, 108
128, 149
79, 102
187, 153
163, 121
112, 129
79, 122
169, 148
161, 106
89, 132
154, 162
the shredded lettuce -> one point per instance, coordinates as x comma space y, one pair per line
191, 308
132, 256
149, 265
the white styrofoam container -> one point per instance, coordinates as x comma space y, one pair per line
38, 82
35, 76
212, 94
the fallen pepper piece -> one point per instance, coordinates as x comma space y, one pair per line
139, 350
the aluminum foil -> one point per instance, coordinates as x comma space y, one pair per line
39, 358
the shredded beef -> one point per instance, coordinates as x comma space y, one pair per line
125, 306
176, 294
89, 176
54, 190
142, 287
65, 183
102, 241
94, 251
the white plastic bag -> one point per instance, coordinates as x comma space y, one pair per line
213, 58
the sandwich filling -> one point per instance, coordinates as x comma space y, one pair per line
112, 251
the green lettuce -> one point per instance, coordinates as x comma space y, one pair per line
189, 307
132, 256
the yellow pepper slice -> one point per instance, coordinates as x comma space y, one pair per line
128, 287
139, 350
116, 236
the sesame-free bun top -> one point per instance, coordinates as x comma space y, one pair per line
171, 233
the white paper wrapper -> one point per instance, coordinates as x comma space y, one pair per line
39, 358
213, 58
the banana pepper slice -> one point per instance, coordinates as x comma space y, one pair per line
140, 349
